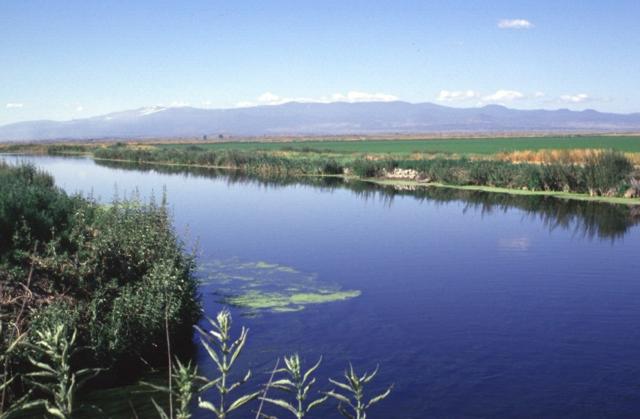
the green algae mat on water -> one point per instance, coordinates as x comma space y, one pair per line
268, 287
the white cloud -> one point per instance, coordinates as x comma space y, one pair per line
515, 24
578, 98
354, 96
506, 97
14, 105
79, 108
269, 98
179, 104
457, 95
501, 96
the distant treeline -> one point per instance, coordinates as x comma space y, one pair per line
607, 173
117, 275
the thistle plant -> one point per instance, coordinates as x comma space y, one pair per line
297, 383
54, 374
352, 403
184, 378
224, 352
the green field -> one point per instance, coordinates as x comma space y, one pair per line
454, 145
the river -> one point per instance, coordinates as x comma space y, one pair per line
474, 305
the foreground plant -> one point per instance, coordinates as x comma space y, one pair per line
184, 377
6, 378
224, 352
352, 403
54, 374
297, 383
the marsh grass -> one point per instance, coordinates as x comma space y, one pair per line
549, 170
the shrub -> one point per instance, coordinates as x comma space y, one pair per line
115, 274
604, 171
331, 167
30, 205
366, 168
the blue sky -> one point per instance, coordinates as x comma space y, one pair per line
64, 59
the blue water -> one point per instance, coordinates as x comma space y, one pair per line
516, 309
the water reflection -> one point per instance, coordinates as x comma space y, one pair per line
588, 219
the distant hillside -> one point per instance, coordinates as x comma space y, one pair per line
319, 119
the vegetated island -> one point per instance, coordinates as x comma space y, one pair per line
594, 168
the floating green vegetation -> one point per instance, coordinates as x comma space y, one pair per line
262, 286
281, 302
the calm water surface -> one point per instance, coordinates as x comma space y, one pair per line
473, 308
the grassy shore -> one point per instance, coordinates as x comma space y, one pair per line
594, 168
419, 184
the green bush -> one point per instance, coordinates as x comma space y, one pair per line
331, 167
116, 274
32, 208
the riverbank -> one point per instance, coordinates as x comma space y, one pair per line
113, 280
577, 174
407, 183
394, 182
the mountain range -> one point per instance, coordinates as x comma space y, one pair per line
295, 118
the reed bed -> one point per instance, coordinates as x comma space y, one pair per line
596, 172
